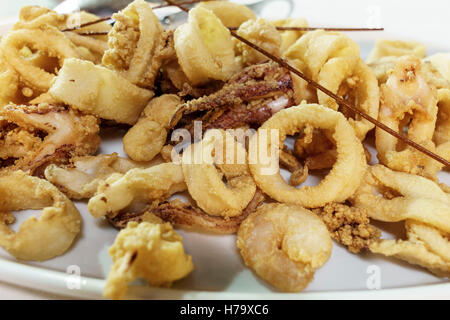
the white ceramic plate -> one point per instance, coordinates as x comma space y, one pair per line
219, 271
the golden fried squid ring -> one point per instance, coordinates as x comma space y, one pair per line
66, 133
147, 137
80, 179
407, 101
204, 48
99, 91
288, 38
204, 181
152, 251
396, 48
231, 14
263, 34
120, 190
50, 41
284, 245
343, 179
37, 239
353, 80
133, 42
419, 199
442, 131
315, 48
441, 61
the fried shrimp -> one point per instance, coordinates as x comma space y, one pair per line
343, 179
37, 239
80, 178
120, 190
201, 161
148, 136
35, 136
284, 245
152, 251
407, 102
99, 91
134, 42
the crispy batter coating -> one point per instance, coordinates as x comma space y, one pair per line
36, 136
348, 225
80, 178
152, 251
37, 239
231, 14
396, 48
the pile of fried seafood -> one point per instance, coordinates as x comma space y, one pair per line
59, 90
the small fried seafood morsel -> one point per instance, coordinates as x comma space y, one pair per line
204, 48
35, 136
342, 180
284, 245
425, 246
396, 48
147, 137
248, 99
263, 34
37, 239
80, 178
205, 164
134, 41
120, 190
231, 14
36, 55
442, 131
403, 196
288, 38
407, 103
184, 215
349, 226
151, 251
99, 91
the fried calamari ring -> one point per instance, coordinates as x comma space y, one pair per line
441, 61
148, 136
315, 48
204, 181
407, 101
343, 179
152, 251
99, 91
442, 131
396, 48
415, 198
80, 179
204, 48
288, 38
119, 190
44, 134
284, 245
353, 80
231, 14
133, 42
51, 41
263, 34
37, 239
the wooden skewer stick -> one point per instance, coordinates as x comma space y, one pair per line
338, 99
